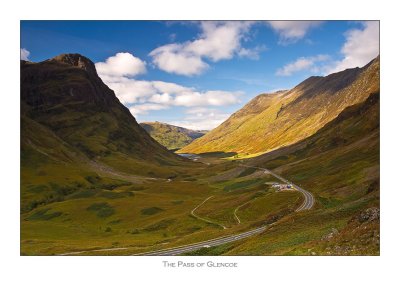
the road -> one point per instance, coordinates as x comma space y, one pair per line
204, 244
205, 220
309, 200
306, 205
234, 212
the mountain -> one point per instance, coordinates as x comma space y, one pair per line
93, 181
73, 126
274, 120
172, 137
339, 164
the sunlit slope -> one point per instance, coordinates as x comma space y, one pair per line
340, 166
271, 121
172, 137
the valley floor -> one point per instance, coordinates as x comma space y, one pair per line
217, 199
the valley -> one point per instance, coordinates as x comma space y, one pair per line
94, 182
172, 137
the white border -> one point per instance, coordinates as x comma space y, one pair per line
274, 270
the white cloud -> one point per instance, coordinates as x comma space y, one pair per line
209, 98
171, 58
217, 41
201, 119
130, 90
161, 99
145, 108
292, 31
121, 64
168, 87
143, 96
301, 64
361, 46
25, 54
199, 111
253, 53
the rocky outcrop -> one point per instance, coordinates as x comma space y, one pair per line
369, 215
361, 236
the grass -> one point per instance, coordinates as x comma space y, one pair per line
171, 137
157, 215
247, 171
43, 215
211, 251
151, 211
243, 184
103, 210
273, 121
344, 184
87, 184
161, 225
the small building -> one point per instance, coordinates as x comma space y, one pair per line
282, 187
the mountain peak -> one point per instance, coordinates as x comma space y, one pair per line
75, 59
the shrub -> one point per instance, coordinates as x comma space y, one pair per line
247, 171
43, 216
151, 211
103, 210
243, 184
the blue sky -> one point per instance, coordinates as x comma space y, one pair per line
196, 74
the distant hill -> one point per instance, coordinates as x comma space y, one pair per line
271, 121
172, 137
73, 126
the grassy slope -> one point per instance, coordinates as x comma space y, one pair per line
85, 165
73, 127
271, 121
152, 215
72, 200
172, 137
340, 166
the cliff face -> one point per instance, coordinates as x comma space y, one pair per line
65, 95
63, 79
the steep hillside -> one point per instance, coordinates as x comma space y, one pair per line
271, 121
73, 126
172, 137
340, 166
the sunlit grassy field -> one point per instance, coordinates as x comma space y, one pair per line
95, 211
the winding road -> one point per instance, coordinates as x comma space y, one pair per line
308, 197
306, 205
237, 208
205, 220
204, 244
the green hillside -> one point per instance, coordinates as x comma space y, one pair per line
73, 127
340, 166
172, 137
271, 121
94, 182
